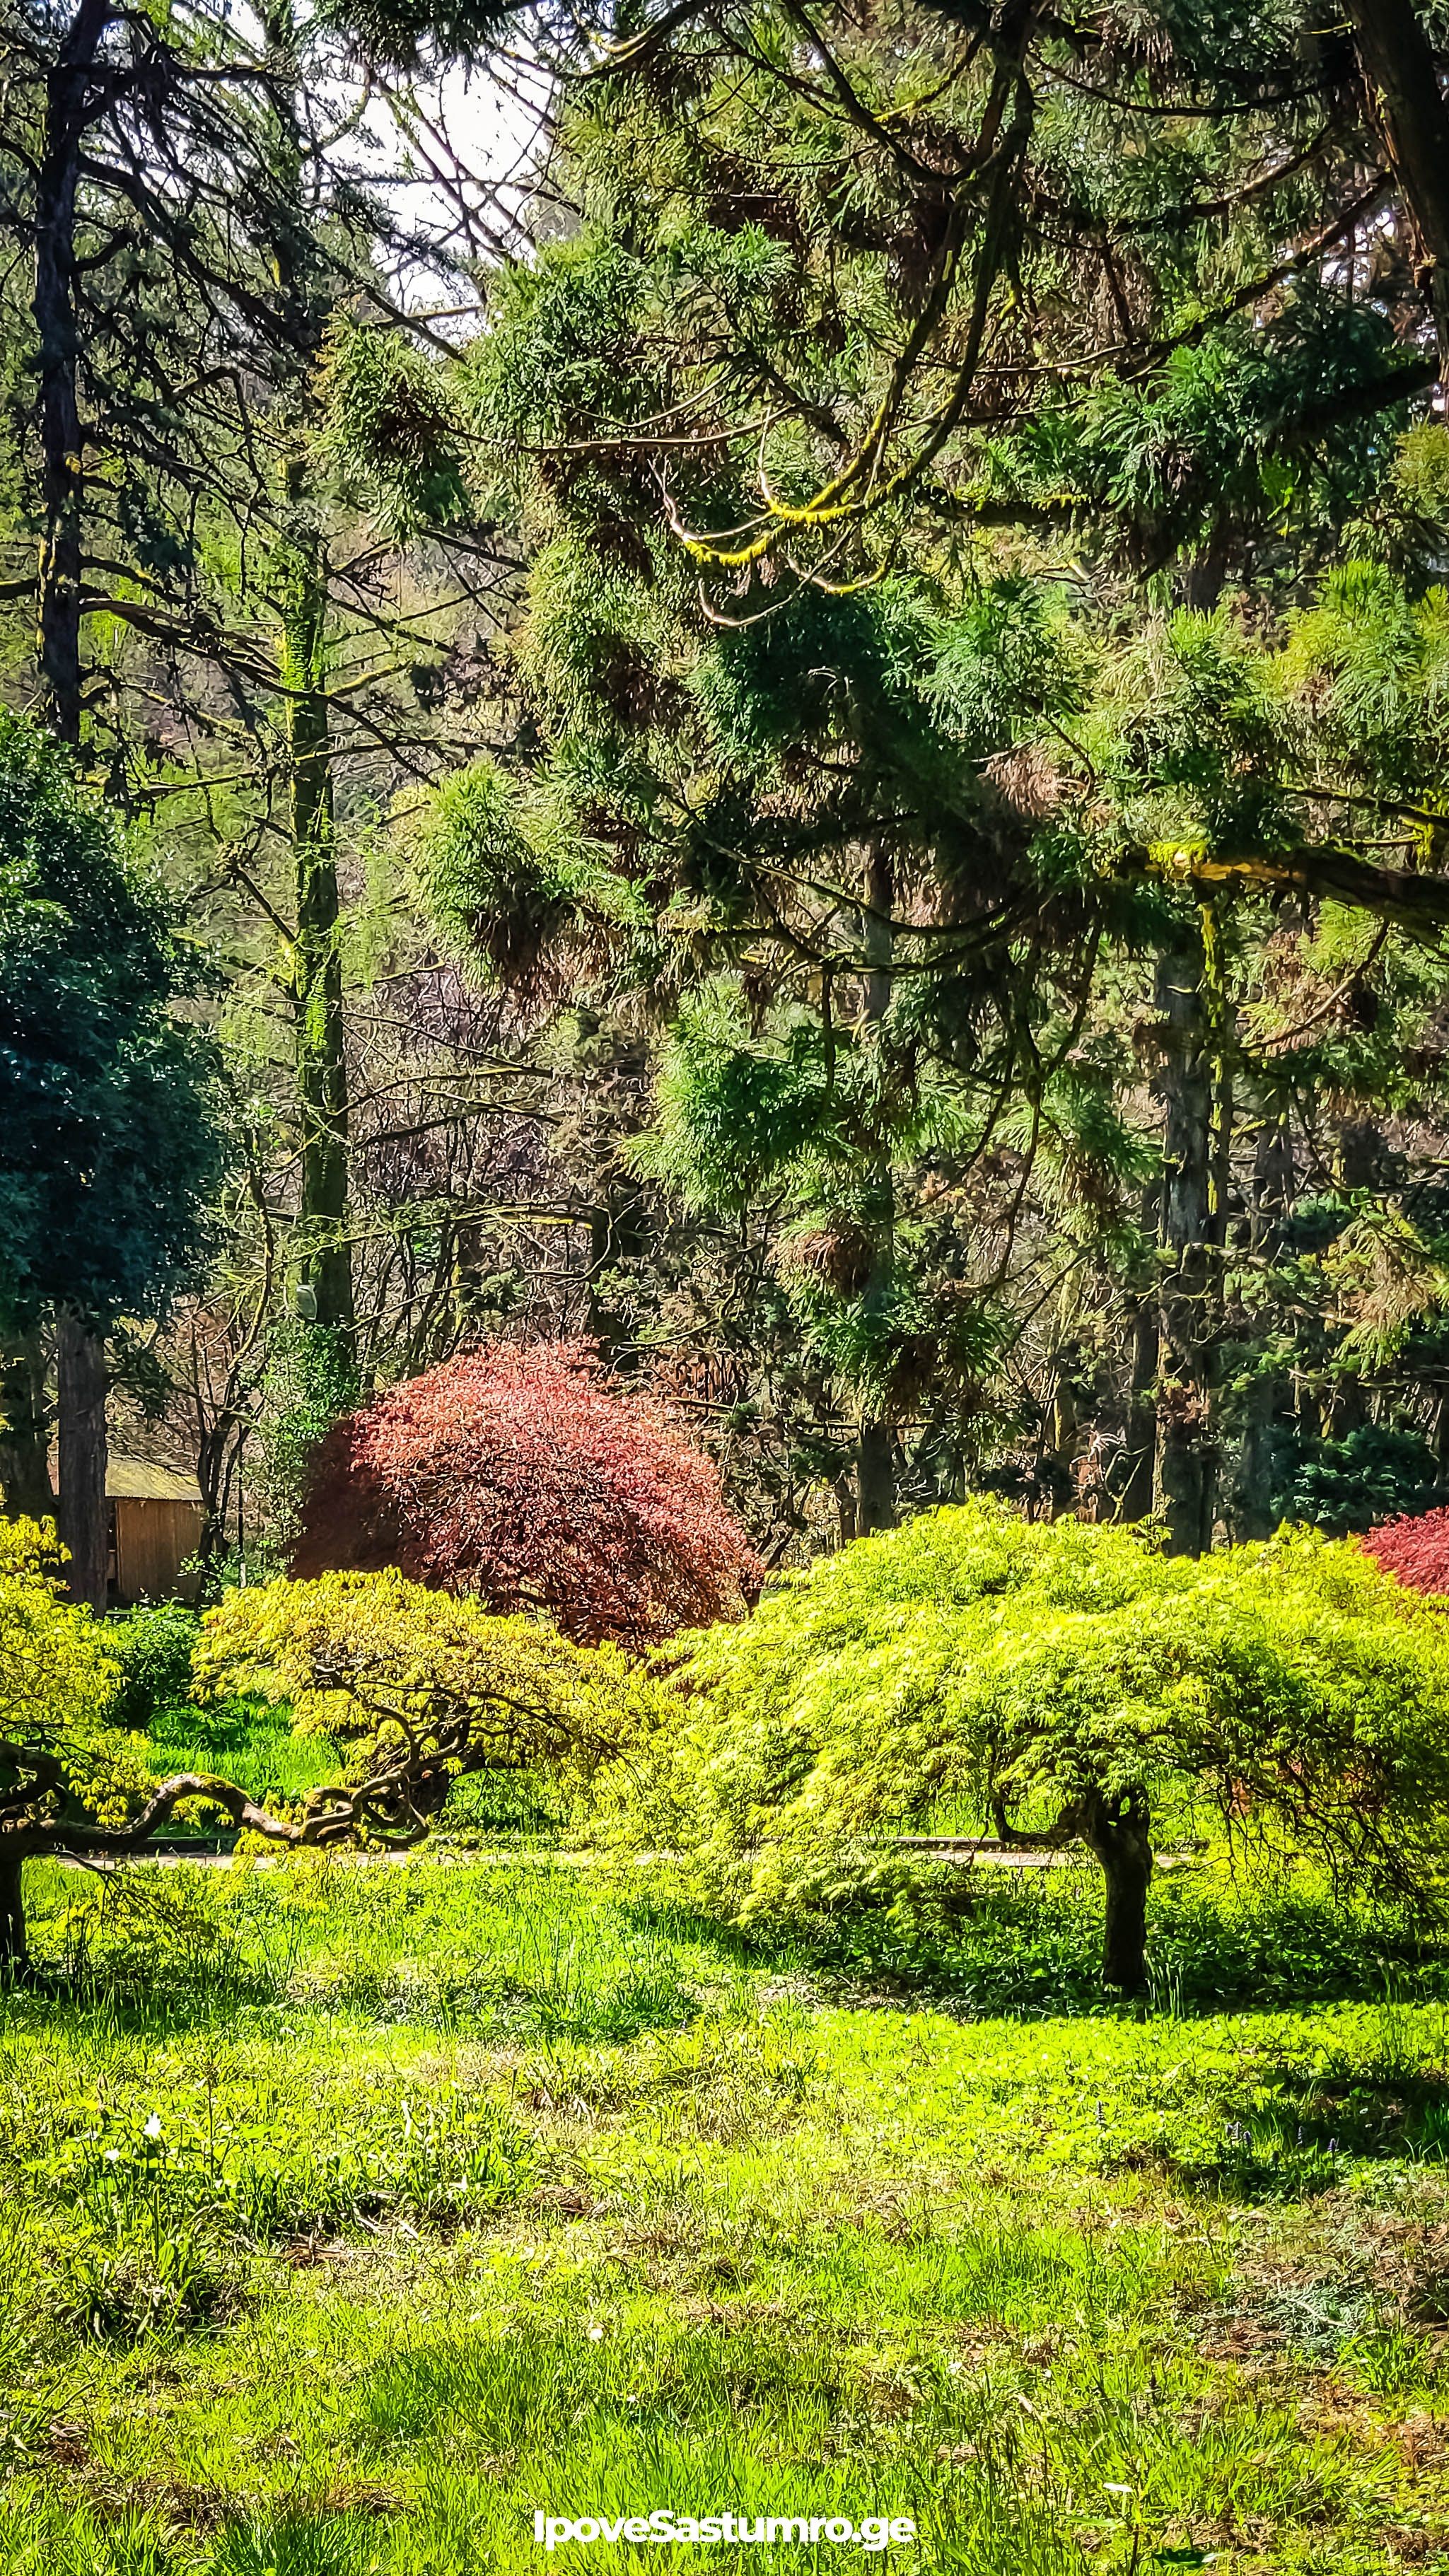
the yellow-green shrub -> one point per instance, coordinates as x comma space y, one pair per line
403, 1674
1061, 1682
56, 1681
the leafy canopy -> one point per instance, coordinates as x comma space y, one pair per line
519, 1475
110, 1130
58, 1681
420, 1687
1028, 1668
1414, 1549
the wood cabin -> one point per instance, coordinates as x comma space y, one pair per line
155, 1524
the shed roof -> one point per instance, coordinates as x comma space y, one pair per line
135, 1480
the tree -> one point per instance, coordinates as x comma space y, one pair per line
1414, 1549
111, 1128
899, 549
1076, 1685
419, 1686
516, 1474
222, 633
421, 1689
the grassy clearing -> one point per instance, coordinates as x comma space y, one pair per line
354, 2214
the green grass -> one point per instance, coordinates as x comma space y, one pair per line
353, 2213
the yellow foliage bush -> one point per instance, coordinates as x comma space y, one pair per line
411, 1679
57, 1676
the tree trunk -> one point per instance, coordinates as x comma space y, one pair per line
326, 1261
1118, 1834
875, 1475
62, 444
1064, 1440
12, 1916
81, 1409
1134, 1500
302, 571
1250, 1513
24, 1432
875, 1469
1398, 66
1268, 1406
618, 1233
1183, 1483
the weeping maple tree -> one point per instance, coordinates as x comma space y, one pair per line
517, 1474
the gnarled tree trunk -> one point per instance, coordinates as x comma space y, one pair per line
1118, 1834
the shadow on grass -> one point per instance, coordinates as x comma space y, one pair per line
1306, 2125
523, 1949
1029, 1948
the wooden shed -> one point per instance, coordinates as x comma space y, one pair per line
155, 1524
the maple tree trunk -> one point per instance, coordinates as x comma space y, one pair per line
81, 1517
1119, 1839
12, 1916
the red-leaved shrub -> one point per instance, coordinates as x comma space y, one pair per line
516, 1474
1415, 1548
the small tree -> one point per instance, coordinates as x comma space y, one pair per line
1076, 1686
515, 1474
419, 1688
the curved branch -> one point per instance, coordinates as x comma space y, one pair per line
1413, 902
116, 1840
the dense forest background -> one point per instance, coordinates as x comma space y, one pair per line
767, 687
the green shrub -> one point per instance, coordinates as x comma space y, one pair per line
1066, 1684
153, 1645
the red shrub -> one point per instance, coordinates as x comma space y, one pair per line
1416, 1549
516, 1475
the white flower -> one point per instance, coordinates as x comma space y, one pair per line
596, 2334
153, 2126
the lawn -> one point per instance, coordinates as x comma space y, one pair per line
355, 2214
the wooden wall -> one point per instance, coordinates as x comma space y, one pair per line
151, 1541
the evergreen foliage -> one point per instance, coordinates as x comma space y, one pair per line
112, 1137
152, 1647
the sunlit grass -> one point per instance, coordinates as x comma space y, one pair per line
355, 2212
